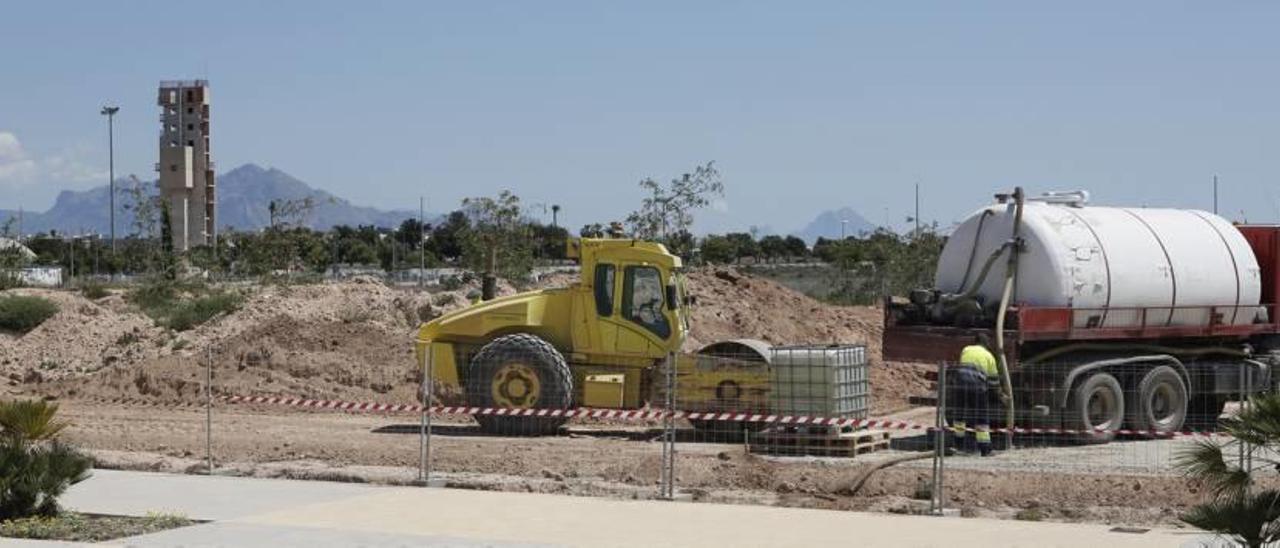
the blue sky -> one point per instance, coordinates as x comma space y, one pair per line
804, 107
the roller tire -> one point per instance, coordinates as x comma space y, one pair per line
1161, 403
1110, 407
554, 378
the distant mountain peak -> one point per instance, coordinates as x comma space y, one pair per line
828, 225
244, 195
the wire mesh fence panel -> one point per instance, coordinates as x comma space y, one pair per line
1097, 415
786, 400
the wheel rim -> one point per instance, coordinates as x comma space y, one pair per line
1100, 410
1162, 403
516, 385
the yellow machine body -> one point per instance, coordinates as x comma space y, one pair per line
606, 326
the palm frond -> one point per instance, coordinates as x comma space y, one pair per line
1249, 519
1258, 422
1205, 463
30, 420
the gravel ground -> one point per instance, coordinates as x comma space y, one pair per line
1116, 483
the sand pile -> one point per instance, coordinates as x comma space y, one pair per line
351, 339
731, 305
84, 336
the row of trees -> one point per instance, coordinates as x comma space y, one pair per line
495, 236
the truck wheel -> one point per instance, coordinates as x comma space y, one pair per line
1096, 408
519, 371
1203, 412
1161, 403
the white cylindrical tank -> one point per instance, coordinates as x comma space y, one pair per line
1108, 263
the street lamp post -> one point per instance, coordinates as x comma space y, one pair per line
110, 113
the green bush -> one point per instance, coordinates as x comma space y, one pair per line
93, 291
22, 313
35, 468
191, 313
10, 281
181, 306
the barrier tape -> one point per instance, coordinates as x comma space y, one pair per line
634, 414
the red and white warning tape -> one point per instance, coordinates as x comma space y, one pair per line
633, 414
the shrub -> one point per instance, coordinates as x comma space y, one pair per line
191, 313
182, 307
10, 281
93, 291
23, 313
35, 468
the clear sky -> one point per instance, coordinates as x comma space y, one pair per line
804, 106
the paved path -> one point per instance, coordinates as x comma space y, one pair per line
258, 512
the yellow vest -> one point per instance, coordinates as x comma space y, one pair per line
981, 358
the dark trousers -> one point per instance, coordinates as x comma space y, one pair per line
969, 406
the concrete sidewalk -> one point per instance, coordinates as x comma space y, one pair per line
257, 512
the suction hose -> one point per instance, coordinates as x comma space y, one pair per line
1011, 274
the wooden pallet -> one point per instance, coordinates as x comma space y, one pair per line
802, 441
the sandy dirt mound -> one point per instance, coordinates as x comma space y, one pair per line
83, 337
349, 340
732, 305
353, 339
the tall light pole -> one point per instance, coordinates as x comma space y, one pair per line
917, 234
1215, 194
110, 113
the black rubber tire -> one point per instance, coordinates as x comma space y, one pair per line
554, 379
1159, 402
1111, 397
1203, 412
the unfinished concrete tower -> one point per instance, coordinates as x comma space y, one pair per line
186, 169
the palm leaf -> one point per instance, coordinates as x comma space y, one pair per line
1249, 519
30, 420
1205, 464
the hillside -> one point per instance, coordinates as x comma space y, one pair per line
244, 194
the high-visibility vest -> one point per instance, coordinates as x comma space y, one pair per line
978, 356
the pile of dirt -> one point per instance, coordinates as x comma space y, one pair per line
353, 339
732, 305
350, 340
83, 337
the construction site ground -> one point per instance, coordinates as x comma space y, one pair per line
352, 341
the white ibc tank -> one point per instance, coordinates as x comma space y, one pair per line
1103, 260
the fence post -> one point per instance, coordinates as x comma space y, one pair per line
936, 500
424, 428
668, 472
208, 407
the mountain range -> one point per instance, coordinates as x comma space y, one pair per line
827, 225
244, 195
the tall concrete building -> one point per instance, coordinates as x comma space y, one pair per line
186, 169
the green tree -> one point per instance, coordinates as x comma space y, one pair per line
1236, 507
447, 236
718, 250
744, 245
669, 209
795, 247
495, 243
773, 247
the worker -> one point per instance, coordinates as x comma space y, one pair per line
969, 386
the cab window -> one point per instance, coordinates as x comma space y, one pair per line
642, 299
604, 289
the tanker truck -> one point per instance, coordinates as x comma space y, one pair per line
1103, 318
